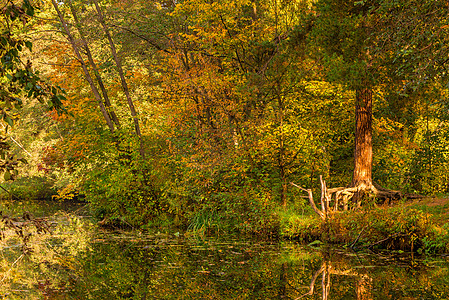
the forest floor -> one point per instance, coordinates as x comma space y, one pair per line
433, 201
429, 201
437, 207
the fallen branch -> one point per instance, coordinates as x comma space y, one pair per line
357, 239
12, 195
12, 266
385, 239
312, 203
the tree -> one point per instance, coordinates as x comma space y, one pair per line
346, 35
104, 104
343, 32
369, 45
244, 82
413, 35
94, 160
88, 77
18, 78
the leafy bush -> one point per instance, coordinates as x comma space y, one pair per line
29, 188
125, 193
437, 239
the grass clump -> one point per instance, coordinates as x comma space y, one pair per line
299, 223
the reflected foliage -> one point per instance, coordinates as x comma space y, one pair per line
76, 261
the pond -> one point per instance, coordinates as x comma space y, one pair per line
79, 261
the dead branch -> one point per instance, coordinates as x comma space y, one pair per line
312, 203
385, 239
312, 283
344, 195
324, 196
357, 239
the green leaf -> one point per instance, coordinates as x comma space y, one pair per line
29, 45
9, 120
28, 8
7, 176
316, 243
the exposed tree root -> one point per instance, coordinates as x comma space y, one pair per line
342, 197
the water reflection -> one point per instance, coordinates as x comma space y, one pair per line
79, 262
363, 281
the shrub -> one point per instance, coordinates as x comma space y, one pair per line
29, 188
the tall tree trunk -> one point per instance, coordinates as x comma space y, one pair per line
121, 74
107, 102
83, 65
363, 152
281, 142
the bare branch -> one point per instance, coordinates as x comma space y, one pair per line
312, 203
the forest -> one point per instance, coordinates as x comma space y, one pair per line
306, 118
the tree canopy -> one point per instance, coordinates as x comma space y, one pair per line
191, 111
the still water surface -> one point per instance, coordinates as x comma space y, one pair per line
79, 261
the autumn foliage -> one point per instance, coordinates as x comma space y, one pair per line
198, 113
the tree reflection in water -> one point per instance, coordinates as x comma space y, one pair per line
325, 281
363, 284
76, 261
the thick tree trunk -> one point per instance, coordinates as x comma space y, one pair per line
363, 152
362, 182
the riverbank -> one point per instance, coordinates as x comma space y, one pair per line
418, 226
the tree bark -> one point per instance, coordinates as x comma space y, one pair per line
363, 152
121, 74
107, 102
83, 65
